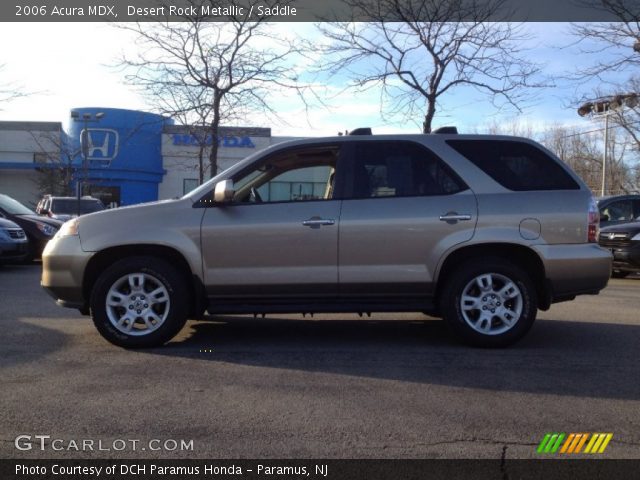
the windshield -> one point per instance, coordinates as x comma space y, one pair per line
14, 207
70, 206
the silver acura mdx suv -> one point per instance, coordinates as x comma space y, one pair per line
480, 230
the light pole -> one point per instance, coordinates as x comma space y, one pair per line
85, 118
605, 107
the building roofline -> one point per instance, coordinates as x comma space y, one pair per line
31, 126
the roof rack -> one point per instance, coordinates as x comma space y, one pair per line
446, 130
361, 131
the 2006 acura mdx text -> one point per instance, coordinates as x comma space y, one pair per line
480, 230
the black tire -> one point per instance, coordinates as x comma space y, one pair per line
462, 278
620, 274
155, 272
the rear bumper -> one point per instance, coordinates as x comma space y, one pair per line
63, 265
575, 269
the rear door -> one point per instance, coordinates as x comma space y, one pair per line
403, 208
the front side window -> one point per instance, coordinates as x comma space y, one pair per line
399, 169
292, 176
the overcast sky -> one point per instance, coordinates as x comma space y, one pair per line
71, 65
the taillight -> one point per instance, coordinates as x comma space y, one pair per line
593, 220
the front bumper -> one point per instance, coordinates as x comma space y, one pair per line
575, 269
627, 258
13, 251
63, 266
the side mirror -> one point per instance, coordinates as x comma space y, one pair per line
223, 191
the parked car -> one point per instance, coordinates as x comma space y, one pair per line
13, 242
39, 230
65, 208
481, 230
624, 242
618, 209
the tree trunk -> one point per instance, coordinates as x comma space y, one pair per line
213, 131
428, 118
201, 164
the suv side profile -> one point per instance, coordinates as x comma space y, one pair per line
480, 230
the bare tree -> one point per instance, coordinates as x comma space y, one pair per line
617, 45
204, 72
433, 48
8, 90
617, 42
54, 162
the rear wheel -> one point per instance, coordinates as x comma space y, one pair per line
139, 302
489, 303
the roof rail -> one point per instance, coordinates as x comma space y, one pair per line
361, 131
446, 130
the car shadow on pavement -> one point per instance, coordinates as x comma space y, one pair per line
557, 357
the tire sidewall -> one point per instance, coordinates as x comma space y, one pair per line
452, 309
164, 273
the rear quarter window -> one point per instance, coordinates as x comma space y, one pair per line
515, 165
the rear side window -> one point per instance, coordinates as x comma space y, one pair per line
399, 169
515, 165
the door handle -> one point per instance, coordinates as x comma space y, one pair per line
317, 222
454, 217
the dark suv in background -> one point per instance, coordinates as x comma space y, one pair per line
480, 230
618, 209
624, 242
39, 230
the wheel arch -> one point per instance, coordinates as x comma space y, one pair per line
517, 254
108, 256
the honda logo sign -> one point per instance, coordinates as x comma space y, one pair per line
102, 144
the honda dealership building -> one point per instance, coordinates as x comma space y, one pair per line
132, 156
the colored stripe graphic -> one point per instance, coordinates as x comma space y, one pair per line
543, 443
568, 442
581, 442
552, 442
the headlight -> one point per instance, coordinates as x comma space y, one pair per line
636, 236
69, 228
47, 229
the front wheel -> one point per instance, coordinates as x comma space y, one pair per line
489, 303
139, 302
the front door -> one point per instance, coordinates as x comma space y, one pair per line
278, 238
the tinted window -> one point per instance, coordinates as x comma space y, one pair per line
399, 169
70, 206
515, 165
619, 211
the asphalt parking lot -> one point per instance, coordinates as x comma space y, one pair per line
335, 386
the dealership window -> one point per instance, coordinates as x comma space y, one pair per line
189, 184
